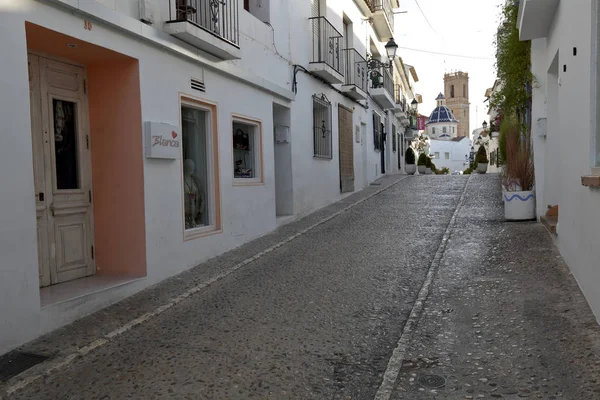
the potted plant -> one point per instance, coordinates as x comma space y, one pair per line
428, 165
409, 158
482, 160
517, 176
421, 163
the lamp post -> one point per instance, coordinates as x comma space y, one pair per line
471, 157
484, 125
414, 105
390, 48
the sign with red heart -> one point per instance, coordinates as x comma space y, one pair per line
162, 140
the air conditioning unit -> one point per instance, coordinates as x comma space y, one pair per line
149, 11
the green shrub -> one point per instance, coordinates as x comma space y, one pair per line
481, 156
443, 171
422, 159
409, 155
428, 162
467, 171
433, 167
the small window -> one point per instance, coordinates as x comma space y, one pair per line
433, 130
322, 127
452, 91
447, 155
444, 130
464, 90
437, 155
247, 156
200, 177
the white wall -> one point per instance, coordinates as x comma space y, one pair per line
569, 137
457, 151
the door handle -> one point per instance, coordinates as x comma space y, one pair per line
41, 196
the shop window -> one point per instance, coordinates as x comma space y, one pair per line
199, 161
247, 151
322, 144
447, 155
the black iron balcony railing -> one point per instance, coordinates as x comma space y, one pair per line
385, 6
355, 69
326, 44
382, 78
218, 17
399, 97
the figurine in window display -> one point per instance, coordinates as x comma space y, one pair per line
193, 197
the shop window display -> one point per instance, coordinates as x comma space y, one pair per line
196, 164
245, 147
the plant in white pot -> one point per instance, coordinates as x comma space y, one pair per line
482, 160
518, 177
428, 163
422, 163
409, 158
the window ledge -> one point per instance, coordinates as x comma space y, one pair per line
591, 180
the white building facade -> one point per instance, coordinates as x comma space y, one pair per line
565, 134
452, 154
148, 136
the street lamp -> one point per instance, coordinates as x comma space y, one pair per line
484, 125
471, 156
414, 104
390, 49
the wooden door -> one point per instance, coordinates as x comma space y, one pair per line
346, 149
62, 170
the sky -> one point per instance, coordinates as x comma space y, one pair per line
458, 27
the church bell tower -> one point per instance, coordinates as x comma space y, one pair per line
456, 91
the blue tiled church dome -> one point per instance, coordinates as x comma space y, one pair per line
441, 113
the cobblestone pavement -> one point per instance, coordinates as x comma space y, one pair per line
319, 316
504, 318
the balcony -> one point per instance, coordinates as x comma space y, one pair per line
209, 25
382, 87
355, 75
535, 18
326, 61
383, 17
400, 108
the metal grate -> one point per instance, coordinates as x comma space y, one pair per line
220, 18
355, 69
15, 362
326, 44
431, 381
197, 84
322, 127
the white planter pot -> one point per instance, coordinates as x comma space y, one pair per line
482, 168
519, 206
411, 169
421, 169
428, 171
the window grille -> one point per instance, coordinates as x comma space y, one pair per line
322, 127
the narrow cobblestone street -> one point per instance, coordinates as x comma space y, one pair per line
324, 306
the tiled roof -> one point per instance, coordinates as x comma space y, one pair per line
441, 114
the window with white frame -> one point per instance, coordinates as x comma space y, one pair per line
322, 144
447, 155
198, 166
246, 150
437, 155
